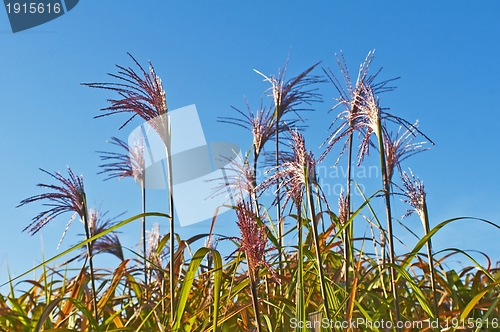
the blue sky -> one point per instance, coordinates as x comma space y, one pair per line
445, 52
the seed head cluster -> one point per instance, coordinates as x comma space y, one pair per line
109, 243
142, 96
343, 208
358, 100
253, 240
288, 95
153, 241
414, 194
400, 146
128, 164
297, 169
69, 196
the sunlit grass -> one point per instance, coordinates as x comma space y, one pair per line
325, 274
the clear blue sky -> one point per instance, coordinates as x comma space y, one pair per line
205, 51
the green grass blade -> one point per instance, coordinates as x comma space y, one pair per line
188, 282
79, 245
436, 228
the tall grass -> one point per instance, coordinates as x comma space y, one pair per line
352, 97
324, 274
69, 196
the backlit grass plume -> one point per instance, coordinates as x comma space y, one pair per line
295, 170
400, 146
128, 163
343, 208
297, 173
68, 196
414, 193
143, 95
238, 180
109, 243
289, 96
260, 123
153, 241
253, 243
372, 115
253, 239
351, 98
373, 120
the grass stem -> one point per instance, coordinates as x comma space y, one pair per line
89, 253
387, 193
425, 221
314, 227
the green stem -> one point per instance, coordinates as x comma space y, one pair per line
312, 212
256, 207
387, 193
348, 230
300, 301
253, 277
89, 254
144, 233
281, 223
172, 234
254, 181
425, 221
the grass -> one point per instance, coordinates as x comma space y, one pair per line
264, 285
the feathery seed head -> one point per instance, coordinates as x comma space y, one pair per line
414, 193
253, 240
295, 171
109, 243
153, 241
129, 164
370, 115
288, 95
238, 179
343, 207
352, 97
142, 96
400, 147
260, 123
69, 196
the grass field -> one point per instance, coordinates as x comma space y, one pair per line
327, 280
